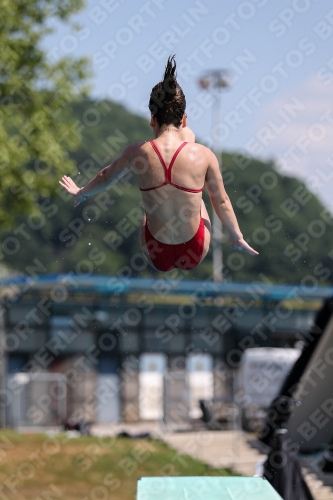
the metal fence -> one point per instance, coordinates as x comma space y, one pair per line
36, 400
176, 400
181, 399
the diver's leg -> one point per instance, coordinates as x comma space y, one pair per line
208, 230
143, 240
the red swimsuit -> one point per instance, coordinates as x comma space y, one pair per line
183, 256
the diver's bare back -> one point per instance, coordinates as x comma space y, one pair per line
173, 214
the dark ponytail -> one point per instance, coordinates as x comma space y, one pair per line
167, 101
169, 82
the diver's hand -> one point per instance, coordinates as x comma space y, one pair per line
71, 188
242, 246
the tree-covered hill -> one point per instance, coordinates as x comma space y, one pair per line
277, 215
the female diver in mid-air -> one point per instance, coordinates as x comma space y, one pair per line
177, 234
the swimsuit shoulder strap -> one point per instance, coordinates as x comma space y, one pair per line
176, 154
167, 169
157, 151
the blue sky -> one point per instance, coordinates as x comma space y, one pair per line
277, 54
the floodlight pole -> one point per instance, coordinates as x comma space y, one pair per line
216, 80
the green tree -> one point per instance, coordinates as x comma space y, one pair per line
35, 132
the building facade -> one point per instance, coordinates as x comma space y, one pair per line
121, 345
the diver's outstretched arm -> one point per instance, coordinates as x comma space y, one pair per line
105, 178
222, 205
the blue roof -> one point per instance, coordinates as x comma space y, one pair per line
122, 285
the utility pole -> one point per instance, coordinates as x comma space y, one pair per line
215, 81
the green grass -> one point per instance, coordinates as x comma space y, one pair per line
40, 467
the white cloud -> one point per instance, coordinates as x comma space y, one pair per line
304, 147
